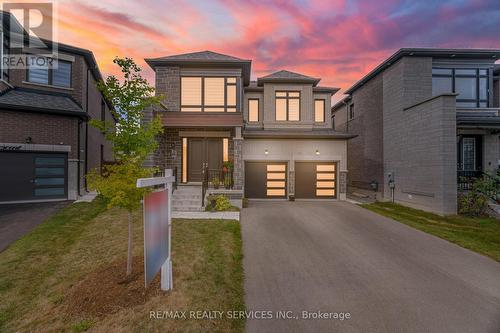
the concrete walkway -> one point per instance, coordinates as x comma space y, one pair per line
340, 258
207, 215
17, 220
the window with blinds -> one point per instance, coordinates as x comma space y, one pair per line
208, 94
319, 110
287, 105
57, 74
253, 110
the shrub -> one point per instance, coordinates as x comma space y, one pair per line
218, 203
472, 203
222, 203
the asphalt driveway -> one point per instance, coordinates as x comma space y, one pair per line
340, 258
18, 219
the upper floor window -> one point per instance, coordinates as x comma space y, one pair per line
319, 110
208, 94
57, 74
253, 110
351, 112
471, 85
288, 105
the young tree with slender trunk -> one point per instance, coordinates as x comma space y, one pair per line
132, 140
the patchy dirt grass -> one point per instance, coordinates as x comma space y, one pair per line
68, 275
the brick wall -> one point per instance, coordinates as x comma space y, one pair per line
365, 157
168, 83
15, 127
419, 142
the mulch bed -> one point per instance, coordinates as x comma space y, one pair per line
107, 290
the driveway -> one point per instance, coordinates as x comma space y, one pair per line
17, 220
337, 257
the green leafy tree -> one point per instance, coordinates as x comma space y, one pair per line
132, 139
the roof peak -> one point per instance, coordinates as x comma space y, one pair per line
205, 55
284, 75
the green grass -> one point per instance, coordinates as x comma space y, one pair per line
481, 235
38, 272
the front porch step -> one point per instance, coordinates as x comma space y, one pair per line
187, 198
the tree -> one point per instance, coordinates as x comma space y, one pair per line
132, 139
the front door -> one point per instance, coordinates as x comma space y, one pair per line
470, 153
203, 151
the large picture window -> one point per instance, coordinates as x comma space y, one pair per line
287, 105
471, 85
208, 94
57, 74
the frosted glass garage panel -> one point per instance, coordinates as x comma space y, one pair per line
325, 184
325, 192
325, 168
276, 184
276, 167
325, 176
275, 192
276, 175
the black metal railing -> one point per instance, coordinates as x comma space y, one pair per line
215, 178
466, 178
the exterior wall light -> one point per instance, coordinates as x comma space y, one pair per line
266, 152
317, 152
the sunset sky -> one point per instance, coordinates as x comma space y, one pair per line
336, 40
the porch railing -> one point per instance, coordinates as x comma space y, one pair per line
466, 181
215, 178
466, 178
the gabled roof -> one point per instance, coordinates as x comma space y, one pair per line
285, 76
203, 59
427, 52
23, 99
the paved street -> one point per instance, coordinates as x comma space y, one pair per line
338, 257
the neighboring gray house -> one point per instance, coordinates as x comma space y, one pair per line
276, 131
427, 119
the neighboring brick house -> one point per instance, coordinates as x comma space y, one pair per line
46, 143
427, 119
276, 131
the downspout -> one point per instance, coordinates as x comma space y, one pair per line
78, 158
86, 129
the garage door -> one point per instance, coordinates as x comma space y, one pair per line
32, 176
315, 180
265, 180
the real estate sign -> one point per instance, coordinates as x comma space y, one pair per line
158, 229
155, 233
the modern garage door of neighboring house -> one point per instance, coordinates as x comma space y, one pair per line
265, 180
33, 176
315, 180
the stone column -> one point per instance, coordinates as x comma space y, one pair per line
238, 159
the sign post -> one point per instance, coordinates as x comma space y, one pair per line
158, 229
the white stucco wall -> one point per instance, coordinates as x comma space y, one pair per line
291, 150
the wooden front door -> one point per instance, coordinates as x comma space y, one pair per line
203, 151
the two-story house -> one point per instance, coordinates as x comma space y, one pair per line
276, 132
46, 143
426, 120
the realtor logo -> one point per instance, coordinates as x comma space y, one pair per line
28, 34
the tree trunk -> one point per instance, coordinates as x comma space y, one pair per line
129, 251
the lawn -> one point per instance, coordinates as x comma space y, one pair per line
69, 275
481, 235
